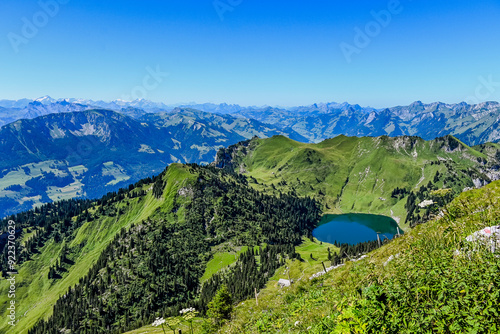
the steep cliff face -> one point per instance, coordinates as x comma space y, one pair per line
230, 158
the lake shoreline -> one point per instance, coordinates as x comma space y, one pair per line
354, 228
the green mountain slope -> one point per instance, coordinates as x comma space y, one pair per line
113, 264
367, 175
37, 294
431, 280
170, 242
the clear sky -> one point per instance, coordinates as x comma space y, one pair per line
252, 52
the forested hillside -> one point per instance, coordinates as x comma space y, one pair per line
113, 264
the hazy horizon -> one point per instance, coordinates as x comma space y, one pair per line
174, 104
371, 53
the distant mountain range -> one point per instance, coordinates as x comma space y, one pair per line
89, 153
58, 149
116, 104
472, 124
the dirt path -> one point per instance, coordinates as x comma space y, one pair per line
421, 179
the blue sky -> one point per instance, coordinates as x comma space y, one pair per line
252, 52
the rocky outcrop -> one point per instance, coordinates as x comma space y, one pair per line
229, 158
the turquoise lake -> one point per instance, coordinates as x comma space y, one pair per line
354, 228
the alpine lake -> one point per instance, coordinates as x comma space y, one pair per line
354, 228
